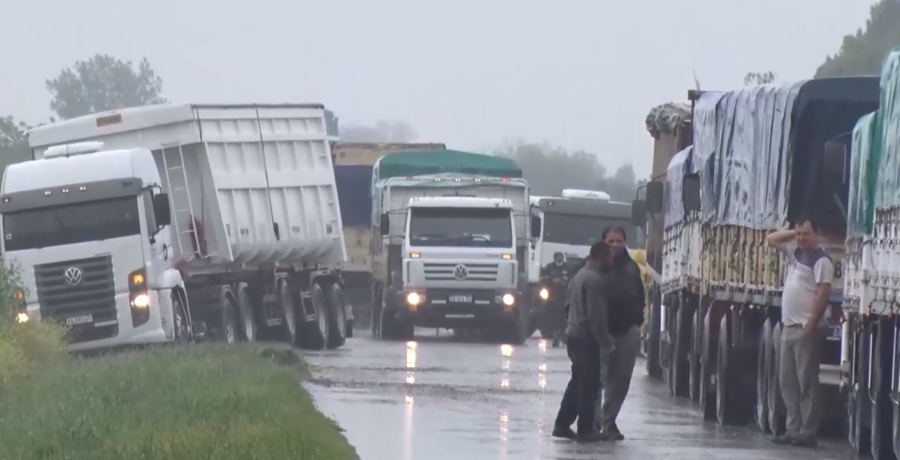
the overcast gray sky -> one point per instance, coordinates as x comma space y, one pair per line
578, 73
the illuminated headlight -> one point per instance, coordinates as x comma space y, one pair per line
508, 299
141, 301
545, 294
22, 318
413, 298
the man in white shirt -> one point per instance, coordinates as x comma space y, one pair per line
807, 286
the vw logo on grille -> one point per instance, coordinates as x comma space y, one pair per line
460, 272
73, 275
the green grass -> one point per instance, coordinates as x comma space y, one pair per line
173, 403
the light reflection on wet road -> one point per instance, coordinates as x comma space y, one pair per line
438, 398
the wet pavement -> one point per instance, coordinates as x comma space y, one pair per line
440, 398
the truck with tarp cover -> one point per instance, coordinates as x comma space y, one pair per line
353, 165
172, 222
449, 245
871, 332
756, 162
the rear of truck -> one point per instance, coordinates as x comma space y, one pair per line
871, 356
353, 165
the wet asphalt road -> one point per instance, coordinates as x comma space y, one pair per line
440, 398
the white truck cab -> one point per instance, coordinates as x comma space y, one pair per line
82, 228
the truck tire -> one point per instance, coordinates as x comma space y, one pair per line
728, 384
707, 360
895, 393
287, 330
316, 332
882, 430
859, 433
337, 329
392, 328
181, 323
763, 362
517, 329
776, 407
225, 316
247, 314
680, 351
375, 311
696, 344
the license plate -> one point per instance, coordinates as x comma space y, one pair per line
459, 316
83, 319
461, 298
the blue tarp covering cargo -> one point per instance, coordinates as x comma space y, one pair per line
353, 187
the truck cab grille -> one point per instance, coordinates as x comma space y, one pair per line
93, 294
444, 271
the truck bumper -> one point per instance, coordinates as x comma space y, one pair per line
450, 308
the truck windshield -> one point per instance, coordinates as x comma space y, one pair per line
584, 230
71, 223
476, 227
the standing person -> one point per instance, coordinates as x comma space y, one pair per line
626, 316
556, 275
587, 338
807, 285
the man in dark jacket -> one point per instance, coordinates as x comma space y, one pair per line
626, 316
556, 279
587, 338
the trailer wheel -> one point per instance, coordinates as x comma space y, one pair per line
680, 350
895, 392
228, 331
727, 384
375, 311
694, 357
337, 330
248, 327
882, 431
316, 333
776, 407
288, 313
858, 400
180, 320
707, 357
762, 377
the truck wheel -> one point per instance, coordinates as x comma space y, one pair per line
762, 378
316, 332
517, 329
680, 350
288, 328
247, 315
727, 384
858, 400
707, 355
694, 358
228, 317
180, 321
532, 326
895, 392
337, 330
776, 407
375, 311
882, 429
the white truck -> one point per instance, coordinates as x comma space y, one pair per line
448, 256
172, 222
569, 224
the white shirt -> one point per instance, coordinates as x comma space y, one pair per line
806, 270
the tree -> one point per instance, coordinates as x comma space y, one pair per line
863, 52
549, 170
13, 142
382, 131
759, 78
103, 83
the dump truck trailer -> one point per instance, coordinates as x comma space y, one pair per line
180, 221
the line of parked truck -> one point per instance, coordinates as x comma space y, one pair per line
178, 222
730, 168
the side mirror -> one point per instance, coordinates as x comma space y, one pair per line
834, 164
656, 197
639, 213
385, 224
535, 227
690, 192
161, 209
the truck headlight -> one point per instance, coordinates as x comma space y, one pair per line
141, 301
545, 294
413, 299
22, 318
508, 299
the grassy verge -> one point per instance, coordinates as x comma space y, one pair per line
184, 403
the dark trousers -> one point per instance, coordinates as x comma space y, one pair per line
578, 401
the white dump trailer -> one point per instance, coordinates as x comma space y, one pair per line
171, 222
